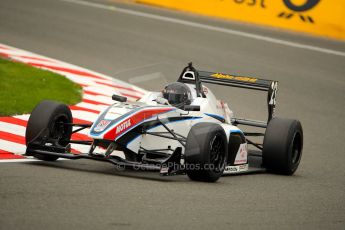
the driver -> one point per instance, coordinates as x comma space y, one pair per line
178, 94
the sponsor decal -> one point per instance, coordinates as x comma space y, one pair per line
236, 168
231, 77
298, 9
164, 170
102, 125
231, 169
123, 126
242, 153
243, 167
251, 3
294, 8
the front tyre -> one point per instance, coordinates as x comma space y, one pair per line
206, 152
46, 122
283, 144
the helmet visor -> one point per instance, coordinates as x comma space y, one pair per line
174, 98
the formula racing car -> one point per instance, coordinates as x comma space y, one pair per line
183, 129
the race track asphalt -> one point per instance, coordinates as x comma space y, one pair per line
92, 195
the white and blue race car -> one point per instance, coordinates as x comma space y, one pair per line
183, 129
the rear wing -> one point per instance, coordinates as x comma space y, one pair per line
190, 75
235, 81
244, 82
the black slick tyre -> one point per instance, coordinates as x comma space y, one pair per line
206, 152
283, 144
46, 122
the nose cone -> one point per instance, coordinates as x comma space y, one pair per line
114, 114
120, 119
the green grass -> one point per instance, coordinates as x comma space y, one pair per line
23, 86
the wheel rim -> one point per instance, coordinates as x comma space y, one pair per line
217, 155
296, 149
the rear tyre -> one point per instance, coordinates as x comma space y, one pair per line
283, 144
46, 122
206, 152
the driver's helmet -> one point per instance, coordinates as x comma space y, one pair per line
178, 94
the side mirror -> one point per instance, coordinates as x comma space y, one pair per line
192, 108
119, 98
